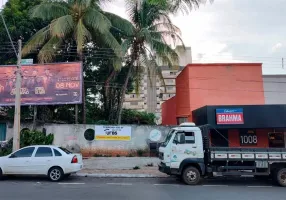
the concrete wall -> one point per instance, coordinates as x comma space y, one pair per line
69, 135
274, 89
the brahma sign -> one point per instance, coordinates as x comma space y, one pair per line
48, 84
229, 116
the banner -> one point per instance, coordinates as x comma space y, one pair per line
49, 84
229, 116
120, 133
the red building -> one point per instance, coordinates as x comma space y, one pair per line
204, 90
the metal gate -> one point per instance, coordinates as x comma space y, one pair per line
2, 132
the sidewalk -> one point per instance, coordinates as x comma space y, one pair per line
121, 167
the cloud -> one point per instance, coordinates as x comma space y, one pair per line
276, 47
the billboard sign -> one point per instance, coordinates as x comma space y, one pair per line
229, 116
119, 133
48, 84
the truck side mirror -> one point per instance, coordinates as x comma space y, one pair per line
175, 141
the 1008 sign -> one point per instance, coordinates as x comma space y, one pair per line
248, 140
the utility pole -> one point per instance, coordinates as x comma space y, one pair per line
17, 115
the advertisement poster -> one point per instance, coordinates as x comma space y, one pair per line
49, 84
119, 133
229, 116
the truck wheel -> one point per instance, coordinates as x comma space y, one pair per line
281, 177
191, 176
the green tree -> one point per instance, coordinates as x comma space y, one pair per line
79, 21
20, 26
151, 29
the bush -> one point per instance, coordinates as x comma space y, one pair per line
35, 138
136, 117
28, 138
136, 167
140, 152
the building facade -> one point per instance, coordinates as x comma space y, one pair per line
153, 91
240, 106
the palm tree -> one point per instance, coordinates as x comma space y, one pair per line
79, 21
151, 33
179, 5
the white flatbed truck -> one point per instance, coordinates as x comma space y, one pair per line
186, 152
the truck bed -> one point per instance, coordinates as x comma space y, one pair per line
246, 154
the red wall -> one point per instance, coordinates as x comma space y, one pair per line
199, 85
262, 138
169, 112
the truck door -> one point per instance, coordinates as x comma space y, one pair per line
184, 146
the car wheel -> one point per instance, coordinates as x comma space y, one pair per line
281, 177
55, 174
191, 176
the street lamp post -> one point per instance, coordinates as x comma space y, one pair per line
17, 115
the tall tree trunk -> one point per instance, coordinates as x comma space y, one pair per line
34, 117
83, 95
76, 113
83, 104
123, 92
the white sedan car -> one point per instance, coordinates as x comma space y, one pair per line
55, 162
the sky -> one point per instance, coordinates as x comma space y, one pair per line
232, 31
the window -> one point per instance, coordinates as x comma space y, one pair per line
190, 137
180, 138
181, 120
44, 152
134, 103
24, 153
65, 150
185, 138
57, 153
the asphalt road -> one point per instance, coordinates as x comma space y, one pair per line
81, 188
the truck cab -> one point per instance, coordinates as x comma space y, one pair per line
182, 147
187, 153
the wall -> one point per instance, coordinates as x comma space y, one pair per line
73, 136
169, 112
183, 98
262, 138
218, 84
274, 89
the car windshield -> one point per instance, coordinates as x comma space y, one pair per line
65, 150
168, 138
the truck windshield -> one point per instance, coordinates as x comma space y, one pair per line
168, 138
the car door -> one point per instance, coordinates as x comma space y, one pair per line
19, 162
184, 146
42, 160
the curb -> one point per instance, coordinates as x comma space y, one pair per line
118, 175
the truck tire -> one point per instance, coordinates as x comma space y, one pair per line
281, 177
191, 176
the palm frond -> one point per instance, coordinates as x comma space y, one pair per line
126, 44
82, 35
96, 20
165, 52
120, 24
110, 41
62, 26
185, 6
151, 65
36, 41
50, 50
50, 10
